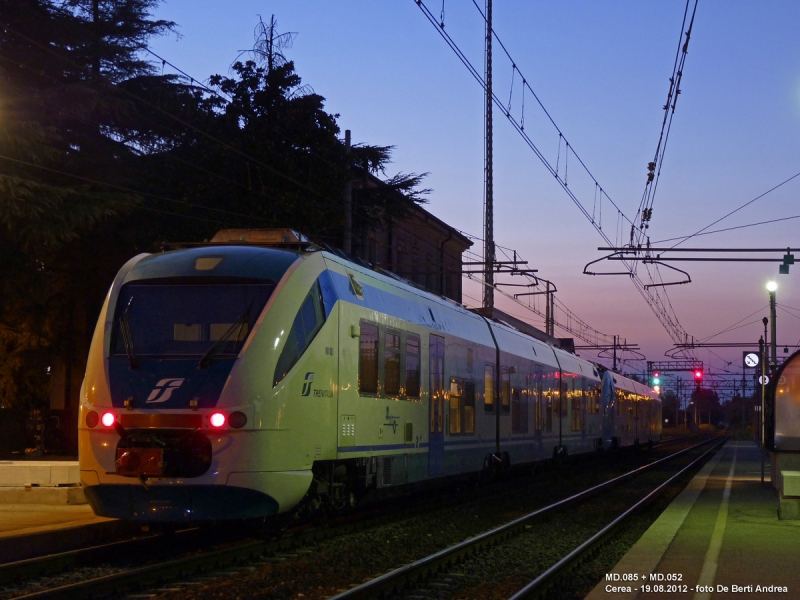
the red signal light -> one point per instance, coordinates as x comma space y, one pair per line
698, 375
217, 420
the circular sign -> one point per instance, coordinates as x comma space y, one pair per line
763, 379
752, 359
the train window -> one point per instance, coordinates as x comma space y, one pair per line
307, 323
488, 387
537, 399
548, 408
592, 397
519, 409
391, 364
505, 390
185, 320
436, 355
577, 412
412, 366
469, 406
368, 359
456, 404
462, 406
566, 383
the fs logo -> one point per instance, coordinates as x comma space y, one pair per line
163, 390
307, 384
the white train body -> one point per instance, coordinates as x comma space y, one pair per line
236, 382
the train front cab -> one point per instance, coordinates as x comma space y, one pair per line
258, 468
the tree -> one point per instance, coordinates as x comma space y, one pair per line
63, 139
96, 143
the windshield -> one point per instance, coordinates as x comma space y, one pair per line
186, 320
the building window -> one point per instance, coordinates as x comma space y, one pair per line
400, 269
368, 359
430, 276
412, 366
391, 364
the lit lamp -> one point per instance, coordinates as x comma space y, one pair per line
771, 288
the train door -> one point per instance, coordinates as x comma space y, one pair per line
436, 439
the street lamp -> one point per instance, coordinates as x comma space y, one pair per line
773, 359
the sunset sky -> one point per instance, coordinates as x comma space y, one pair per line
601, 70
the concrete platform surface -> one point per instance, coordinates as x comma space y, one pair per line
39, 472
29, 530
24, 519
720, 538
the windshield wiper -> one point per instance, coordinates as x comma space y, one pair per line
127, 338
209, 356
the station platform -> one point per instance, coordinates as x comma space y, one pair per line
30, 530
43, 510
55, 482
720, 538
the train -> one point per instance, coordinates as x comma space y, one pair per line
244, 378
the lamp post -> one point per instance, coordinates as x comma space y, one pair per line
763, 397
773, 355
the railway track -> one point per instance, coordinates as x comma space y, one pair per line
197, 567
441, 571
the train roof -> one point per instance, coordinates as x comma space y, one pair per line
208, 261
403, 300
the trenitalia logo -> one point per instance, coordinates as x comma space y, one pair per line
307, 384
163, 390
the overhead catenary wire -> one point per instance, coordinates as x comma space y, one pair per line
661, 309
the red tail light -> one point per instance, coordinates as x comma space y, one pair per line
108, 419
217, 420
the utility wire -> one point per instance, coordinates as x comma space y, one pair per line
178, 119
128, 203
748, 203
730, 229
734, 325
117, 187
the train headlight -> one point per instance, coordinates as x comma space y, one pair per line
108, 419
217, 420
92, 419
237, 420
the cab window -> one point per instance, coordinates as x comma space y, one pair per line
307, 323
